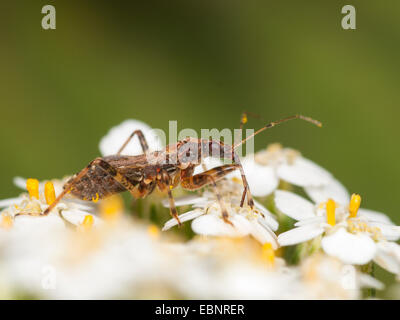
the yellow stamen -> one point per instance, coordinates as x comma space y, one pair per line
355, 202
236, 180
32, 185
268, 254
352, 227
95, 199
330, 212
170, 187
153, 231
6, 221
376, 233
111, 208
32, 208
87, 223
274, 147
49, 193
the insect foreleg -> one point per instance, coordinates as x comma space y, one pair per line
207, 177
172, 207
166, 183
210, 177
142, 140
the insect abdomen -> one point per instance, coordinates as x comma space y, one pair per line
96, 184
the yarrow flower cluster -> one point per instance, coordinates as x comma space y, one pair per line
318, 245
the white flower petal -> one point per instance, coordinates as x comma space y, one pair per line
116, 137
388, 256
309, 221
76, 217
304, 172
367, 281
79, 204
372, 215
300, 234
183, 218
334, 190
9, 202
262, 179
269, 218
349, 248
212, 225
20, 182
26, 223
293, 205
263, 233
186, 200
389, 232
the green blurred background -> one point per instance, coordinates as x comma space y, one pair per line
202, 63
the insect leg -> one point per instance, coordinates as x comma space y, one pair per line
172, 207
209, 177
165, 183
67, 189
142, 140
225, 214
220, 150
246, 190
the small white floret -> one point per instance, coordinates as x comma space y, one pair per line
349, 248
293, 205
300, 234
303, 172
116, 137
333, 190
262, 180
190, 215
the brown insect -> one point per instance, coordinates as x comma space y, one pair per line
164, 169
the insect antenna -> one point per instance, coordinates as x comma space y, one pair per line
275, 123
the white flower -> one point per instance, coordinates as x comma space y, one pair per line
207, 215
352, 248
107, 262
348, 233
221, 268
246, 281
226, 268
130, 260
332, 190
388, 257
264, 170
325, 277
23, 213
116, 137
